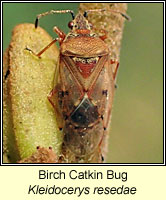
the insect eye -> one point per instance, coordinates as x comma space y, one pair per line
70, 25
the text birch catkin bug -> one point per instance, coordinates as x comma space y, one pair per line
84, 85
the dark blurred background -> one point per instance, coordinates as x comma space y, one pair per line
137, 121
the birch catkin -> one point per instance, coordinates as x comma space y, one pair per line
29, 120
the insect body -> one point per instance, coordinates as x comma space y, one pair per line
84, 87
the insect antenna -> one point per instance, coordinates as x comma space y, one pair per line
52, 12
102, 10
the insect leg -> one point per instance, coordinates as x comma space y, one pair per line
60, 33
43, 50
51, 94
103, 37
116, 68
101, 156
52, 98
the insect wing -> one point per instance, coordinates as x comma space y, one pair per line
103, 91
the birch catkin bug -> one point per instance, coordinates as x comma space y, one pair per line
84, 85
